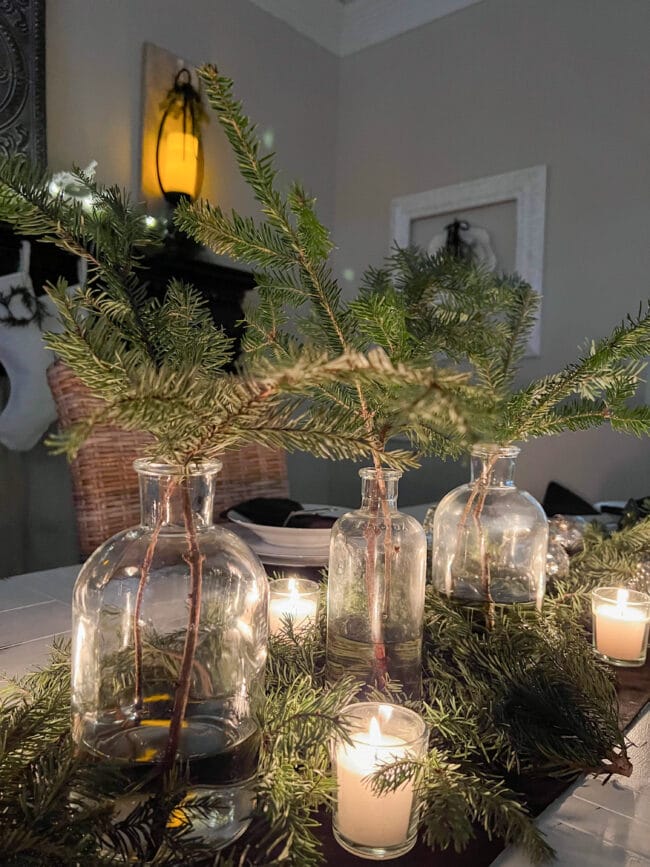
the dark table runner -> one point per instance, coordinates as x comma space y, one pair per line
633, 685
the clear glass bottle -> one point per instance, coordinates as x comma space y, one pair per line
489, 538
169, 645
375, 594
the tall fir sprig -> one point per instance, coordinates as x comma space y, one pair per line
289, 249
464, 312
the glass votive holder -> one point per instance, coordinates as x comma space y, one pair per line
366, 823
621, 621
295, 598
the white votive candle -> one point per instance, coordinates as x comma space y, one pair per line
621, 619
368, 823
296, 598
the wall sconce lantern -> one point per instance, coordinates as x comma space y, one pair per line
179, 152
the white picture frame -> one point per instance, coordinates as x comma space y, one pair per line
525, 187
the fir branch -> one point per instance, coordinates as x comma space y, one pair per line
456, 801
602, 380
605, 560
110, 236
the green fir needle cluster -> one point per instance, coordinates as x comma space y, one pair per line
300, 303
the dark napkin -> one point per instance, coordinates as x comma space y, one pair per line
312, 520
275, 512
559, 500
268, 511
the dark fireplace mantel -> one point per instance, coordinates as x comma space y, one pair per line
224, 287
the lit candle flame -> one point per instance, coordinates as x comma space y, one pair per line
293, 590
374, 733
622, 597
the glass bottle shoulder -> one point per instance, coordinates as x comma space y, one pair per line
120, 558
503, 498
358, 520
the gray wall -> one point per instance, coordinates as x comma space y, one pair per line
499, 86
288, 84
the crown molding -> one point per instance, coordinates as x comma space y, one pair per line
319, 20
346, 29
368, 22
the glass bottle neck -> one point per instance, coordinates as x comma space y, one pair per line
379, 489
168, 498
494, 468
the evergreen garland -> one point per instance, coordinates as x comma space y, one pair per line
606, 560
523, 700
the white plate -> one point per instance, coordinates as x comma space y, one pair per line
603, 504
281, 555
299, 538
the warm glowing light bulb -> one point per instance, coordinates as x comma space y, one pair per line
178, 162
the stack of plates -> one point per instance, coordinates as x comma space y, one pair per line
287, 546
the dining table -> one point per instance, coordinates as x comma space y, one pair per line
592, 822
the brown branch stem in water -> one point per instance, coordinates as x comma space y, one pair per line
388, 533
142, 584
474, 507
374, 611
194, 559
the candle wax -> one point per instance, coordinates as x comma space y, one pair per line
362, 816
620, 631
301, 610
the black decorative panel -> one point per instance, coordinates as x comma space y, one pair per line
22, 78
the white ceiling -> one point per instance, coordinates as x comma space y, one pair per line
346, 26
